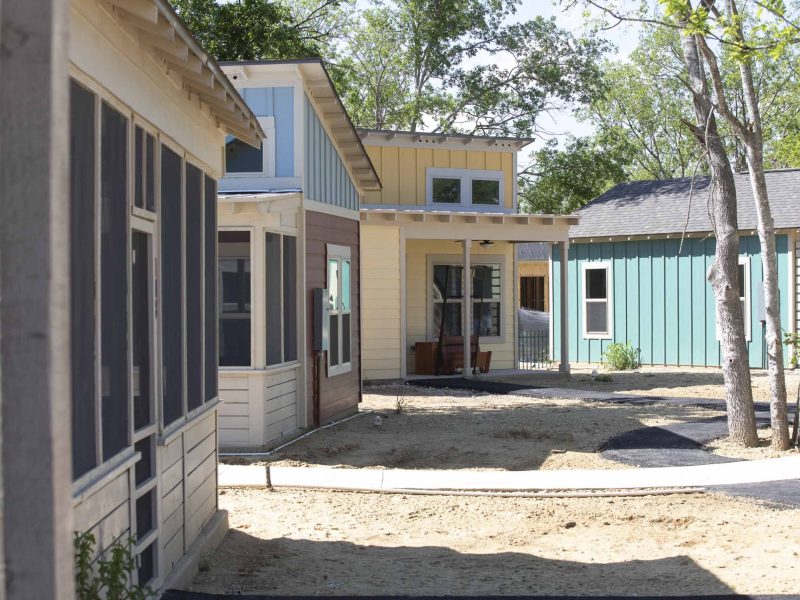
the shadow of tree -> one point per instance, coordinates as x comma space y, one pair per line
511, 436
245, 564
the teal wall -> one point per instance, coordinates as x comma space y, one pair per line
325, 177
277, 102
662, 302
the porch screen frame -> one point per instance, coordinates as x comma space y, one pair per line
252, 233
609, 300
457, 260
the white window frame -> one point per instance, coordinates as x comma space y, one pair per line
457, 260
252, 231
748, 328
466, 177
298, 281
609, 300
267, 154
341, 254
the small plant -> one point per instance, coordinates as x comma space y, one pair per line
792, 339
108, 578
622, 357
604, 378
399, 404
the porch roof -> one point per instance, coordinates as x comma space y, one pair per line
452, 225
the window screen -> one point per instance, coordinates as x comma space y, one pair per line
144, 190
82, 278
140, 334
273, 307
234, 309
289, 298
596, 300
171, 276
242, 158
210, 318
446, 190
485, 191
194, 286
114, 281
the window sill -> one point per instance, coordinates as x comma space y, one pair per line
173, 430
340, 370
90, 482
597, 336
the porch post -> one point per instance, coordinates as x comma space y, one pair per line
467, 308
36, 506
564, 366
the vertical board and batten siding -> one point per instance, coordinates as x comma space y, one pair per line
418, 295
662, 302
340, 393
276, 102
402, 170
325, 177
380, 289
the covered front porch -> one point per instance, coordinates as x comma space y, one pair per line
415, 318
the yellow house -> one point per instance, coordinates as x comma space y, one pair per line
448, 205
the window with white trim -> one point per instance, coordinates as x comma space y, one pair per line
465, 187
447, 292
243, 159
597, 321
743, 283
340, 310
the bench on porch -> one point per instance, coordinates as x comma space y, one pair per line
452, 357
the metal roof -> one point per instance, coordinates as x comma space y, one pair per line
658, 207
533, 251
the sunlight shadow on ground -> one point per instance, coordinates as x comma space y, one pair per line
245, 564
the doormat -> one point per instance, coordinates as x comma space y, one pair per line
477, 385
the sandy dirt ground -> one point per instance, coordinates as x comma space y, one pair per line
724, 447
447, 429
325, 543
654, 381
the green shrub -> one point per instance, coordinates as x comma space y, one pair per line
622, 357
109, 578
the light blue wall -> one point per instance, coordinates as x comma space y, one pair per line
325, 177
662, 302
277, 102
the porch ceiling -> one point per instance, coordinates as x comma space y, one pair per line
449, 225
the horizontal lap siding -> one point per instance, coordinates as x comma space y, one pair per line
280, 418
381, 297
418, 295
340, 393
662, 302
105, 513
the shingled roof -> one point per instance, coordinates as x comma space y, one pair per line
659, 207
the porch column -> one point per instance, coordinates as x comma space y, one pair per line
467, 244
36, 504
564, 365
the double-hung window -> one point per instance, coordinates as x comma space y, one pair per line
480, 190
743, 285
340, 309
597, 309
447, 289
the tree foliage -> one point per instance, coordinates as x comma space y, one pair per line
564, 179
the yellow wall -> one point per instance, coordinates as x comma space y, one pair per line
536, 268
380, 297
418, 295
402, 170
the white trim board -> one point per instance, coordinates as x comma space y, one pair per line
586, 266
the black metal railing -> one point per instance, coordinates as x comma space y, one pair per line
534, 349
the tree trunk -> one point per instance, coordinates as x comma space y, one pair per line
723, 273
754, 148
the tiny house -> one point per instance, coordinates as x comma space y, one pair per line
447, 207
635, 277
289, 226
148, 114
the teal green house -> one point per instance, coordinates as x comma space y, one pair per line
629, 278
